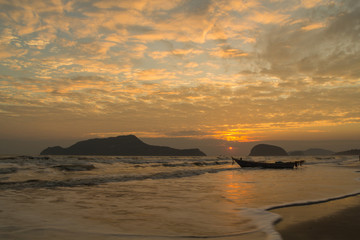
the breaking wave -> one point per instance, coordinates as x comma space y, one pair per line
35, 183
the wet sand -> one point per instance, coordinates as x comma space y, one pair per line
339, 219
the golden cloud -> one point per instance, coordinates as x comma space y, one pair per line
9, 52
268, 17
239, 5
191, 65
228, 52
153, 75
311, 3
313, 26
176, 52
140, 5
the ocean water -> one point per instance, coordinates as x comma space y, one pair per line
82, 197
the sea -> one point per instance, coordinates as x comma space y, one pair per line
169, 198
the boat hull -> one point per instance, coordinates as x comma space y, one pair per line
276, 165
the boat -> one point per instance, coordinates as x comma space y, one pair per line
276, 165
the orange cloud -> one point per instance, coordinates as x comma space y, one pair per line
191, 65
227, 52
175, 52
140, 5
8, 52
311, 3
268, 17
313, 26
153, 75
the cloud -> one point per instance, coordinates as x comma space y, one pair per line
139, 5
152, 75
7, 36
329, 51
268, 17
187, 133
235, 70
38, 43
10, 44
239, 5
8, 52
313, 26
90, 95
311, 3
226, 51
175, 52
191, 65
110, 4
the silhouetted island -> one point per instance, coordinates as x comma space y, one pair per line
267, 150
312, 152
128, 145
349, 152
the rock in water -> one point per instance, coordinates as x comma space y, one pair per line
267, 150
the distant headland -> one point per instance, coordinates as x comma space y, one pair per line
271, 150
128, 145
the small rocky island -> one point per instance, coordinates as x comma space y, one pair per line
128, 145
267, 150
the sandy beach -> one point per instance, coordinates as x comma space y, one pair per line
337, 219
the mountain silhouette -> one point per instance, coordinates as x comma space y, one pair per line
349, 152
128, 145
312, 152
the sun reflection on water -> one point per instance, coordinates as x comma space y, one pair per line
239, 188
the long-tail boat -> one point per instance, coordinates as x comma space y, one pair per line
276, 165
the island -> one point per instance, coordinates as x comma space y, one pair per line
312, 152
127, 145
349, 152
267, 150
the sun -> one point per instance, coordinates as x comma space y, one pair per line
230, 148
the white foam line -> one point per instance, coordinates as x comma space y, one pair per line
264, 221
305, 203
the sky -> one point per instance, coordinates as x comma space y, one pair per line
225, 71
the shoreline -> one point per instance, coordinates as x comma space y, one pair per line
334, 220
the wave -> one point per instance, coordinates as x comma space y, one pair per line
264, 221
36, 183
169, 161
312, 202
